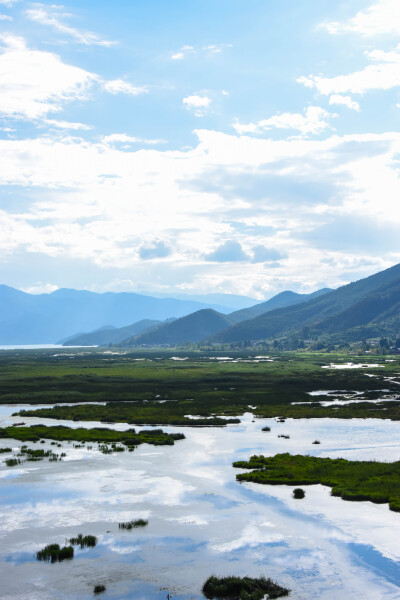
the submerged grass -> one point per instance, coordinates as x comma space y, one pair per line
351, 480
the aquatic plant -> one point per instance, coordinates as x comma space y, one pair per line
12, 462
99, 588
298, 493
96, 434
4, 450
54, 553
266, 428
133, 524
84, 541
316, 442
242, 588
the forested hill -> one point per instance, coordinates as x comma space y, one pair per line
110, 335
281, 300
370, 304
191, 328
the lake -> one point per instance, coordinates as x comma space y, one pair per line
201, 521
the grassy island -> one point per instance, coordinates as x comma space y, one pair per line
351, 480
157, 437
242, 588
134, 413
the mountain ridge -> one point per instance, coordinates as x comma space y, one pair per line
293, 319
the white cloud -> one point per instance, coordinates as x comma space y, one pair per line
123, 138
207, 50
119, 86
313, 122
67, 125
5, 18
183, 52
212, 49
41, 288
51, 16
8, 2
93, 202
383, 74
34, 82
380, 18
198, 104
345, 101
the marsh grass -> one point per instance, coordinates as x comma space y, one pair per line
242, 588
54, 553
97, 434
84, 541
99, 588
12, 462
299, 493
133, 524
377, 482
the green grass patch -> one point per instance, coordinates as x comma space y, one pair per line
159, 391
377, 482
97, 434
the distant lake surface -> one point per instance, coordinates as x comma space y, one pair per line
201, 520
38, 346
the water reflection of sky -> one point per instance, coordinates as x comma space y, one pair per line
201, 521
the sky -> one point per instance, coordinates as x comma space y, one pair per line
229, 146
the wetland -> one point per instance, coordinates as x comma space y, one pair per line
196, 519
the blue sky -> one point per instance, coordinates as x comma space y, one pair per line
198, 147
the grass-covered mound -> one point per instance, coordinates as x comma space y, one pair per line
98, 434
242, 588
351, 480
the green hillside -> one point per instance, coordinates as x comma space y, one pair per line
111, 335
192, 328
368, 302
281, 300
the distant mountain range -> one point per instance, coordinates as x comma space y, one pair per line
204, 323
190, 328
363, 309
48, 318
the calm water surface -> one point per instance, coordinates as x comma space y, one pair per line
201, 521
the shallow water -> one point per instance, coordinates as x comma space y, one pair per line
201, 521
